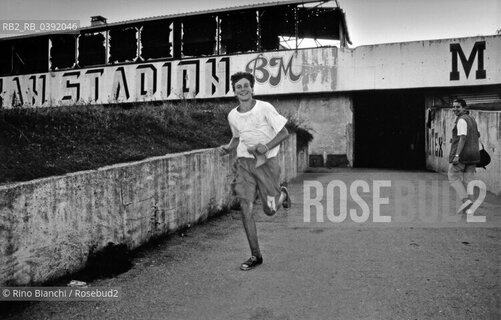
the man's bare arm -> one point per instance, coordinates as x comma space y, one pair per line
462, 140
281, 136
232, 145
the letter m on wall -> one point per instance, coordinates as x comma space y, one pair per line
478, 49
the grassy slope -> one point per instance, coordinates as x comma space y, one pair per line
42, 142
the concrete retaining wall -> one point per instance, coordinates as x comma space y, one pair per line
438, 144
49, 226
302, 159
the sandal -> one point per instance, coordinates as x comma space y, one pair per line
251, 263
287, 201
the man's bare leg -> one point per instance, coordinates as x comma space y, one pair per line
250, 227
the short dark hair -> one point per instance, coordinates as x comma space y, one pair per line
242, 75
461, 102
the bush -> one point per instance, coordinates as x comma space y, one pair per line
302, 131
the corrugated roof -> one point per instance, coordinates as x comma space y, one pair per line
201, 12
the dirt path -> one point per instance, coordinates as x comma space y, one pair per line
326, 270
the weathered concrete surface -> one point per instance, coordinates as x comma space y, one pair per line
438, 144
312, 271
416, 64
329, 117
48, 227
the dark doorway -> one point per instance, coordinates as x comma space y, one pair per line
389, 129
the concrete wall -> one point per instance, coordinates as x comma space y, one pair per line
49, 226
469, 61
276, 72
330, 118
438, 144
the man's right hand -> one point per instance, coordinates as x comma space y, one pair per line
224, 149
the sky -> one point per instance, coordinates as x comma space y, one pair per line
369, 21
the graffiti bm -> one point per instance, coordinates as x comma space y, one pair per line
260, 68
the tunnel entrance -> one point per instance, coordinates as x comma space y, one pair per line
389, 129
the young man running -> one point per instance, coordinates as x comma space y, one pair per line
258, 129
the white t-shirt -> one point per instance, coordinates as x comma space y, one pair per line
462, 127
258, 125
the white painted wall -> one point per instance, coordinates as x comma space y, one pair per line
419, 64
308, 70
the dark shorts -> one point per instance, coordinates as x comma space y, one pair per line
265, 180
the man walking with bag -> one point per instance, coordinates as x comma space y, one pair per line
464, 153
